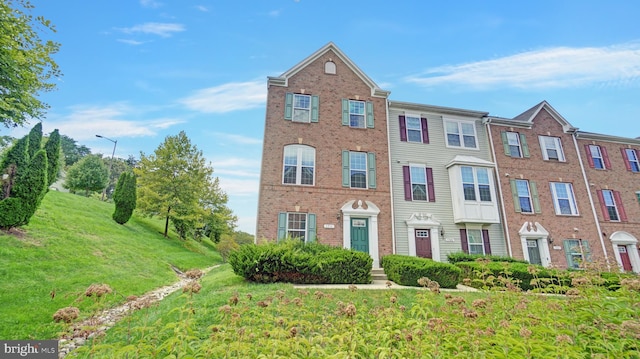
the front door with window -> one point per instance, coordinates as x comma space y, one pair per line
360, 234
534, 252
624, 257
423, 243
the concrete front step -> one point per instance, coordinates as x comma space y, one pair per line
378, 274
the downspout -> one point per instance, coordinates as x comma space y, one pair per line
487, 124
593, 206
393, 217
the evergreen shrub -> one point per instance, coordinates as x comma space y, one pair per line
406, 270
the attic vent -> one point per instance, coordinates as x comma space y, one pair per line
330, 67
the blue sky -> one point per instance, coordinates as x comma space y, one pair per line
137, 71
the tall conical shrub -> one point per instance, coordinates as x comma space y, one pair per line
52, 147
124, 197
35, 140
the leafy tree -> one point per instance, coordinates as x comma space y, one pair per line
72, 152
243, 237
176, 183
117, 168
124, 197
52, 147
89, 174
26, 64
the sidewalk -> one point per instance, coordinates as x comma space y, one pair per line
380, 284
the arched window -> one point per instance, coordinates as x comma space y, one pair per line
299, 165
330, 67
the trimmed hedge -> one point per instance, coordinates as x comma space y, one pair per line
523, 273
296, 262
458, 257
406, 270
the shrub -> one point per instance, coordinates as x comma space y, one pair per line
525, 276
296, 262
124, 198
457, 257
406, 270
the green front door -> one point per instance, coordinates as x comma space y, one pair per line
360, 234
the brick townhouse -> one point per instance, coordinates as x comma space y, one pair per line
325, 172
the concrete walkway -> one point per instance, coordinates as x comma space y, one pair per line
379, 284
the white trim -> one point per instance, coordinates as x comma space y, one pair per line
621, 238
535, 231
459, 123
424, 221
364, 209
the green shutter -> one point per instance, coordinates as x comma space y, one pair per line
345, 112
346, 180
534, 196
586, 250
288, 106
315, 102
516, 198
568, 246
369, 114
371, 162
311, 227
505, 143
282, 225
523, 144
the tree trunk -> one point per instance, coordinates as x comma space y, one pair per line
166, 223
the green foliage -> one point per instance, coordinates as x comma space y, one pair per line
15, 156
71, 151
35, 140
226, 245
456, 257
89, 174
31, 186
27, 67
117, 167
406, 270
52, 147
241, 237
175, 182
295, 262
124, 198
485, 274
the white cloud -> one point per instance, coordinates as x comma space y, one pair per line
131, 42
150, 3
239, 187
228, 97
155, 28
547, 68
236, 162
239, 139
202, 8
84, 122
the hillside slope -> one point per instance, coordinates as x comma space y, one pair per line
71, 243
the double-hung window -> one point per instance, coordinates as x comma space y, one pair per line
476, 184
461, 134
357, 114
358, 169
576, 251
475, 241
418, 183
631, 159
551, 148
299, 165
413, 128
597, 157
611, 205
515, 144
525, 196
297, 225
301, 107
563, 199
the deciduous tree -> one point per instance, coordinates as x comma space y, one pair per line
26, 65
72, 151
88, 175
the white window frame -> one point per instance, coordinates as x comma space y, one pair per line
513, 140
352, 155
299, 165
632, 157
476, 184
460, 133
557, 146
571, 198
596, 156
409, 128
292, 231
299, 109
471, 234
527, 195
610, 204
362, 117
422, 170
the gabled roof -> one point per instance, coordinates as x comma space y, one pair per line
283, 79
583, 135
525, 119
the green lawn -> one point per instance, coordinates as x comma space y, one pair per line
231, 318
71, 243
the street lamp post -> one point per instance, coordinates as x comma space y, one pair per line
115, 142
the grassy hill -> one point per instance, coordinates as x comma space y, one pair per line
71, 243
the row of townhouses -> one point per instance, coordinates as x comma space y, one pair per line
344, 165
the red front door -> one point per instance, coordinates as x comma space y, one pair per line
423, 243
624, 257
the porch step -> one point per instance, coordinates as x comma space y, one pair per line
378, 274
